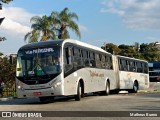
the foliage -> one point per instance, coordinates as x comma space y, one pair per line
7, 72
6, 1
110, 47
54, 26
2, 39
64, 20
148, 52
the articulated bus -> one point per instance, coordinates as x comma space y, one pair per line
154, 71
70, 67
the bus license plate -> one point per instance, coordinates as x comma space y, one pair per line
37, 93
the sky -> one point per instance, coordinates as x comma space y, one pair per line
100, 21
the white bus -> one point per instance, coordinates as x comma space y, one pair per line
132, 74
69, 67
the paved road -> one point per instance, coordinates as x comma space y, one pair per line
120, 102
144, 101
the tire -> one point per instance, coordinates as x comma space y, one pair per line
135, 88
107, 91
79, 92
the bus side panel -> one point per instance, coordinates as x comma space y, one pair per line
94, 80
127, 79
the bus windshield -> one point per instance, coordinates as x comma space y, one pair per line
38, 61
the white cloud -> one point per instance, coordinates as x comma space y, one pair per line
16, 21
14, 27
17, 14
154, 39
136, 14
82, 28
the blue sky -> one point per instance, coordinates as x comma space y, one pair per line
100, 21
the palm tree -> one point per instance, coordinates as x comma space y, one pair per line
41, 28
64, 20
54, 26
31, 36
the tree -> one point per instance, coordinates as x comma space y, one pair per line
4, 1
127, 50
41, 29
64, 20
54, 26
111, 48
1, 19
2, 39
149, 51
7, 73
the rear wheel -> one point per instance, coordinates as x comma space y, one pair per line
107, 91
135, 88
79, 92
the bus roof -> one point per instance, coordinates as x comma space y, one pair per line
62, 42
131, 58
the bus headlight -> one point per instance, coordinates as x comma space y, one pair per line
20, 85
57, 84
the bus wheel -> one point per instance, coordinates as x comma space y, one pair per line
107, 91
79, 92
135, 88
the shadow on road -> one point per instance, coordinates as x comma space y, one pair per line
35, 101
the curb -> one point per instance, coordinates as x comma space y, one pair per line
6, 99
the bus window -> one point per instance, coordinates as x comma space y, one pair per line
97, 59
92, 59
67, 59
103, 61
86, 58
120, 64
139, 67
108, 62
